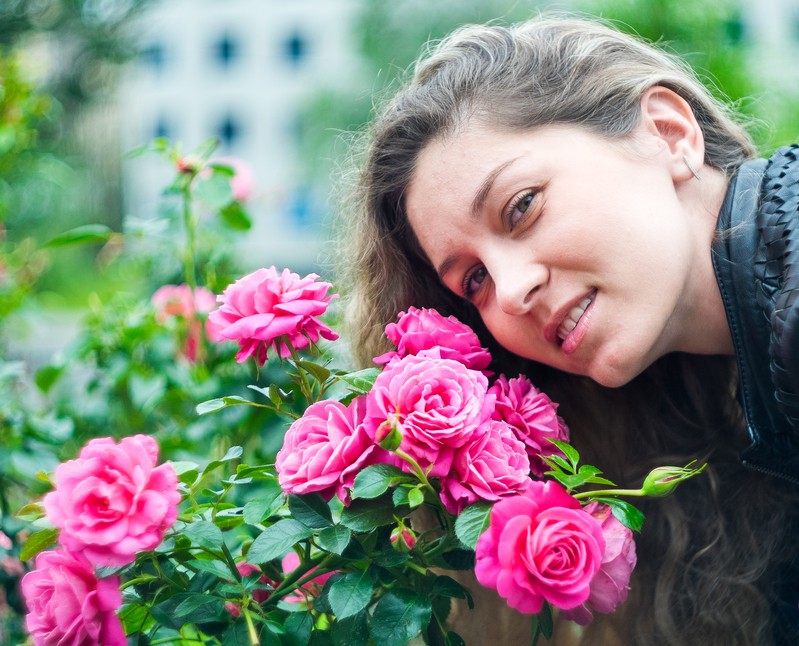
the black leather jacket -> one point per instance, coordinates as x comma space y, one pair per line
756, 259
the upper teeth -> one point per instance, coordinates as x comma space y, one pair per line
570, 322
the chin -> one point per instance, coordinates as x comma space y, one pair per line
614, 374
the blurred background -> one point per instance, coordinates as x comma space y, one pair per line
279, 85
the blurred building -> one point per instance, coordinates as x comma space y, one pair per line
241, 71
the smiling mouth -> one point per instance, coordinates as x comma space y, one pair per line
573, 317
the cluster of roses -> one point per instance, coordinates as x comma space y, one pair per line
109, 504
433, 407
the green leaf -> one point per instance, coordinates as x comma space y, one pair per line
204, 534
351, 594
86, 234
556, 460
352, 631
445, 586
365, 515
47, 376
361, 381
233, 453
214, 190
334, 539
30, 512
236, 635
213, 405
234, 216
374, 480
255, 511
38, 542
135, 618
399, 616
311, 510
415, 497
453, 639
472, 522
276, 541
626, 513
298, 627
542, 623
568, 450
201, 608
217, 568
320, 373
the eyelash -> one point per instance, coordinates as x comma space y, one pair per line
515, 202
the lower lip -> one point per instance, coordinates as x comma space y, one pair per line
571, 342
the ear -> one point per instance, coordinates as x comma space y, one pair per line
667, 116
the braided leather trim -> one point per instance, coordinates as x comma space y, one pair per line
777, 273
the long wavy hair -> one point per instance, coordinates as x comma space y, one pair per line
708, 556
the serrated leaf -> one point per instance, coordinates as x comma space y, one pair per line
472, 522
588, 471
558, 461
365, 515
626, 513
360, 381
204, 534
213, 405
568, 450
374, 480
415, 497
30, 512
351, 594
320, 373
297, 629
200, 608
233, 453
352, 631
334, 539
86, 234
602, 481
399, 616
38, 542
237, 635
255, 511
276, 541
446, 586
542, 623
217, 568
311, 510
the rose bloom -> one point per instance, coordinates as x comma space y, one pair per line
325, 449
112, 501
311, 588
610, 585
242, 183
424, 329
176, 301
491, 467
265, 309
540, 545
532, 415
68, 604
436, 404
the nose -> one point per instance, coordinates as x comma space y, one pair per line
516, 284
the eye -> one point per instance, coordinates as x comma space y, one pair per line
473, 280
519, 207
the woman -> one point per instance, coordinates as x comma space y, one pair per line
558, 185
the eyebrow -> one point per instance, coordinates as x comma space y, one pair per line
477, 205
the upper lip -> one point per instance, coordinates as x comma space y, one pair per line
554, 322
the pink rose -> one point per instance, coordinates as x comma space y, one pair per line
325, 448
491, 467
259, 595
436, 405
610, 585
264, 309
540, 545
176, 301
532, 415
243, 181
68, 604
311, 588
113, 502
424, 329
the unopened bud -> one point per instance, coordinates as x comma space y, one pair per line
403, 539
189, 164
663, 480
388, 436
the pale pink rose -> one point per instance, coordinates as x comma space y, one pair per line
491, 467
112, 501
436, 405
540, 545
325, 449
243, 181
68, 604
532, 415
310, 589
610, 585
424, 329
176, 301
265, 309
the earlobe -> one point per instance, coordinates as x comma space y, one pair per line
667, 116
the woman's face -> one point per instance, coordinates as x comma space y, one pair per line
576, 249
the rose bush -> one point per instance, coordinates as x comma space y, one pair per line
68, 604
113, 501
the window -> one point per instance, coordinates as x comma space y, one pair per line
295, 48
162, 128
228, 131
226, 51
153, 56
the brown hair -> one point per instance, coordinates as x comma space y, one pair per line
706, 554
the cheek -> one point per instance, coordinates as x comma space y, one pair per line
515, 334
